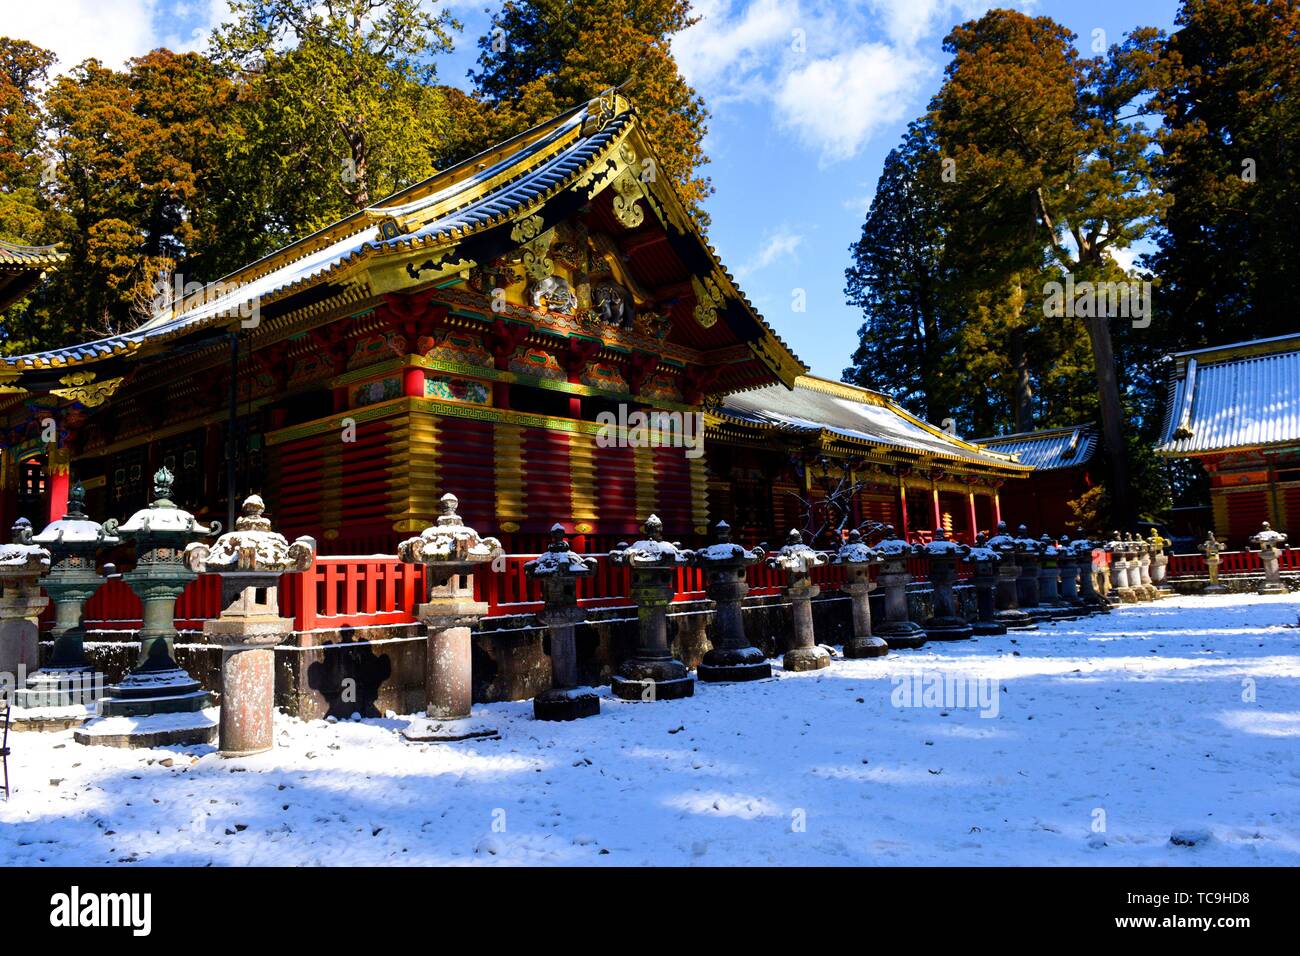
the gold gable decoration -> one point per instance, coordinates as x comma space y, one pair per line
82, 387
708, 300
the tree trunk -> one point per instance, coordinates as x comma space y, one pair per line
1112, 422
1023, 395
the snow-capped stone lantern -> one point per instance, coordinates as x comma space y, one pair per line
73, 542
250, 560
558, 571
1121, 592
1160, 563
157, 684
1145, 589
1212, 548
984, 561
857, 560
797, 560
732, 657
1009, 613
449, 551
22, 565
1270, 543
1084, 548
1067, 562
898, 629
1029, 559
947, 624
652, 673
1049, 580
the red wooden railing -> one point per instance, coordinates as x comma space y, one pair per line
1230, 562
376, 590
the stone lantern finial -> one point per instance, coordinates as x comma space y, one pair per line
76, 501
654, 528
21, 532
723, 532
162, 484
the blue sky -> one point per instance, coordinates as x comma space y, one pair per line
807, 98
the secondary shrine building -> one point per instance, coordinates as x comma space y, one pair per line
1236, 409
478, 333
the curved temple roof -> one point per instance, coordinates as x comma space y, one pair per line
1048, 449
1239, 396
578, 151
819, 405
21, 268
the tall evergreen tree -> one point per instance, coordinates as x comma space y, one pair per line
895, 279
540, 57
1230, 98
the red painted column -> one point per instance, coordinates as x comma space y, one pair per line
938, 512
8, 493
413, 383
973, 527
997, 509
902, 509
58, 481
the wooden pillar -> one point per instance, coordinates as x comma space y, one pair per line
972, 527
8, 492
902, 504
997, 508
934, 500
58, 481
412, 383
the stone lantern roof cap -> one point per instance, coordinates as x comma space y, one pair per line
161, 516
75, 528
857, 551
725, 550
559, 558
1268, 538
893, 547
940, 546
652, 549
449, 541
21, 558
252, 548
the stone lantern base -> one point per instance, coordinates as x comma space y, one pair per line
902, 635
948, 629
647, 680
571, 703
161, 730
733, 664
869, 646
806, 658
987, 628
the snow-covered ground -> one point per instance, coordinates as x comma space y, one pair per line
1110, 735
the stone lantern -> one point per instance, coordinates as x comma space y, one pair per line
1067, 561
1009, 613
898, 629
1142, 586
157, 684
1049, 580
857, 560
73, 542
652, 673
22, 565
984, 561
947, 624
250, 560
732, 657
797, 560
558, 571
1120, 590
1029, 559
1212, 548
449, 551
1159, 563
1270, 543
1083, 548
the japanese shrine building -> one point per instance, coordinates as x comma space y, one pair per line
1062, 459
471, 334
1236, 409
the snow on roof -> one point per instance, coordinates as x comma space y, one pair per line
854, 413
1048, 449
1243, 395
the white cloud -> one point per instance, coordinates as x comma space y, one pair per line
776, 246
724, 52
835, 104
110, 30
